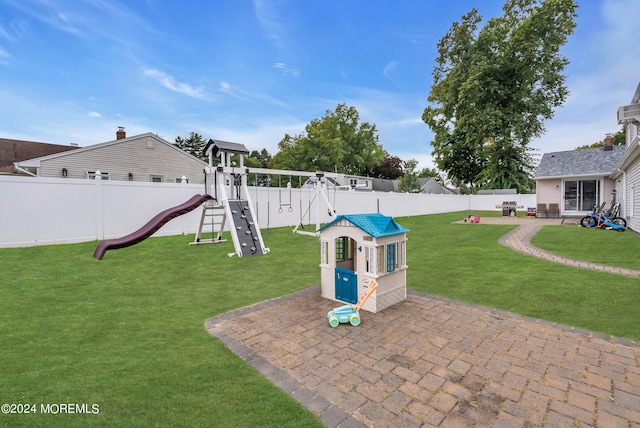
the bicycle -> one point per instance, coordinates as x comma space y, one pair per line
598, 218
591, 220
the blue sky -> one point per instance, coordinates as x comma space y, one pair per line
72, 71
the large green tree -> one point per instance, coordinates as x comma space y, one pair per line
493, 89
336, 142
192, 145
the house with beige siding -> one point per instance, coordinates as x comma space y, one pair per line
627, 172
577, 180
145, 157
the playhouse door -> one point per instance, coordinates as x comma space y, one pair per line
346, 285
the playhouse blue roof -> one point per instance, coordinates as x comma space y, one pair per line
375, 224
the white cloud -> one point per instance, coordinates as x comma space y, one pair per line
94, 114
3, 56
47, 13
389, 71
287, 71
266, 13
247, 96
227, 89
169, 82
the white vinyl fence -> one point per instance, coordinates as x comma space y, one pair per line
44, 211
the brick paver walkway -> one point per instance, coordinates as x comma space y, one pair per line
430, 361
520, 240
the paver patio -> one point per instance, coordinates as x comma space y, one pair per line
430, 361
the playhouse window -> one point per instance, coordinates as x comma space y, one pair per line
343, 249
324, 252
380, 251
369, 259
391, 257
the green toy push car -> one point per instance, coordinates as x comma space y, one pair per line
350, 313
344, 314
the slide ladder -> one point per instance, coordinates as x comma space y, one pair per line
211, 223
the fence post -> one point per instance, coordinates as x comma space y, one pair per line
99, 206
185, 223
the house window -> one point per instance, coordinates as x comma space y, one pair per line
581, 195
91, 175
391, 257
353, 182
156, 179
381, 263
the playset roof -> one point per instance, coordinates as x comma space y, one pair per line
226, 146
376, 224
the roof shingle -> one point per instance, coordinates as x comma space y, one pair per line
375, 224
595, 161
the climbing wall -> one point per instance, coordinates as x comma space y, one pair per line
247, 234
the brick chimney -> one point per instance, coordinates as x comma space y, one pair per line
608, 143
120, 134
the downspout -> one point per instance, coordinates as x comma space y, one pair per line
16, 166
624, 194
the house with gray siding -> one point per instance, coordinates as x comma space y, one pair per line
145, 157
627, 172
577, 180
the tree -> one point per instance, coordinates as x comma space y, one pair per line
493, 89
390, 168
337, 142
431, 172
409, 182
192, 145
619, 139
508, 167
262, 156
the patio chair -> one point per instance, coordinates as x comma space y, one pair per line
554, 210
541, 210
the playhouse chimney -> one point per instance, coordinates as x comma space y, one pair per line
120, 134
608, 143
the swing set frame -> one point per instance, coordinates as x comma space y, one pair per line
320, 196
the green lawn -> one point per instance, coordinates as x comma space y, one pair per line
127, 333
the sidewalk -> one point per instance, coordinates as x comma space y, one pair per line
435, 362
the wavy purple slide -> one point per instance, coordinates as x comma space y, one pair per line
151, 227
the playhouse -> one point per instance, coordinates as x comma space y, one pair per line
358, 248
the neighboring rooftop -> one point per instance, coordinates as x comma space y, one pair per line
498, 192
431, 186
18, 150
581, 162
